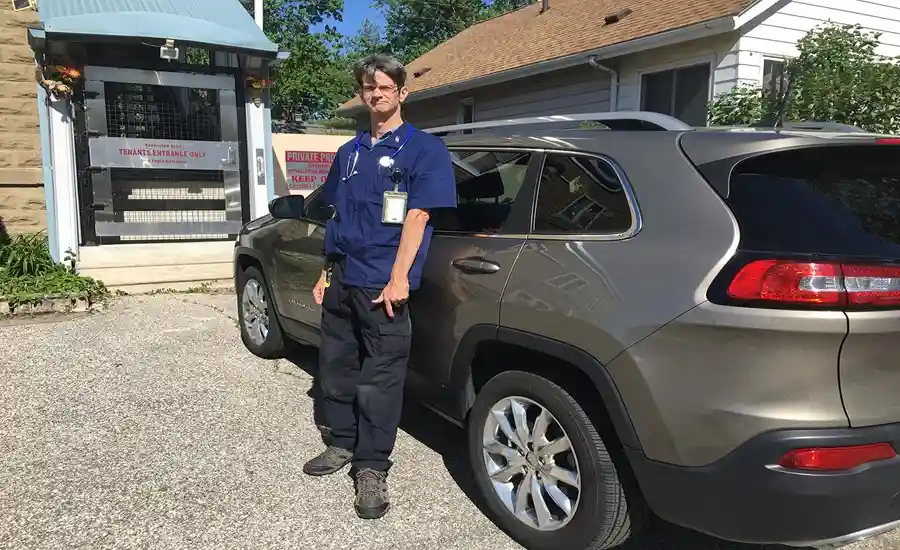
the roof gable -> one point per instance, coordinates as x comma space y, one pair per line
527, 36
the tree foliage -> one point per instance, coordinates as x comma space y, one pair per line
310, 83
316, 78
837, 76
416, 26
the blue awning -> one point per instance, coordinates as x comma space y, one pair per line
225, 24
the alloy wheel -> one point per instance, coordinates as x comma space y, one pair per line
255, 312
531, 464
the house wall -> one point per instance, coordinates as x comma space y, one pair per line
777, 36
580, 89
22, 196
721, 51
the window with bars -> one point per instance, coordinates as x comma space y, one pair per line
162, 112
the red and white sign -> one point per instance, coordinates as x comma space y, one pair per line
109, 152
163, 153
306, 170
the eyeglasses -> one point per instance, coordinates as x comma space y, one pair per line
384, 89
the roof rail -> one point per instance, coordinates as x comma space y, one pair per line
815, 125
618, 120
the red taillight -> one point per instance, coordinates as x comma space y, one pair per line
888, 141
830, 459
817, 283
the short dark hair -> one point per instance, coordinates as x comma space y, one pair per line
388, 64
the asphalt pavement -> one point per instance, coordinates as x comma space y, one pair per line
150, 426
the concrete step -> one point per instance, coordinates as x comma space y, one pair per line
20, 159
216, 286
164, 276
151, 255
21, 176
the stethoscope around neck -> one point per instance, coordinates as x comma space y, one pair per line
351, 162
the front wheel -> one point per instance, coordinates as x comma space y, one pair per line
546, 475
260, 330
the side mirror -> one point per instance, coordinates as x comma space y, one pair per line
288, 207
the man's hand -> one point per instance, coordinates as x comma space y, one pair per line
319, 290
396, 292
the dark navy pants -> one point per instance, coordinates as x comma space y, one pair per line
362, 368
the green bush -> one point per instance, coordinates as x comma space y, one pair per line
25, 255
28, 272
837, 76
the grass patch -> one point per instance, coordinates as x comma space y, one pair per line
28, 273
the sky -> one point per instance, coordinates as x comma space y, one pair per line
355, 11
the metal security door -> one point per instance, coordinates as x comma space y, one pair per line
164, 155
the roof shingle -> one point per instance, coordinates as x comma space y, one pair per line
526, 36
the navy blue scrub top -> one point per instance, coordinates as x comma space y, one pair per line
356, 230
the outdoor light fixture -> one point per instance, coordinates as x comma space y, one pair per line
169, 51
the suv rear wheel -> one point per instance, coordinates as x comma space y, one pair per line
260, 330
543, 469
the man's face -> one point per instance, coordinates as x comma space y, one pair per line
380, 94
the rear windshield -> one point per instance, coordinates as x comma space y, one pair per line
837, 199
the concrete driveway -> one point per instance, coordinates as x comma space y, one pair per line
150, 426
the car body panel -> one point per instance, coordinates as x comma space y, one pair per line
717, 376
633, 285
450, 301
297, 265
870, 368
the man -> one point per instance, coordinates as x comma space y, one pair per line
383, 186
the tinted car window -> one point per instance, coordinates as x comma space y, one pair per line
487, 184
581, 195
842, 200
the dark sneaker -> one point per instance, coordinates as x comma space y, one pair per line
328, 462
371, 494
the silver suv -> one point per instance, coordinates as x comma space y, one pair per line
644, 315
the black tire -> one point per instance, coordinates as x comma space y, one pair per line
603, 518
274, 345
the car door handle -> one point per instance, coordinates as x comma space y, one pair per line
476, 265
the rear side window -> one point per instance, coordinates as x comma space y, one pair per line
835, 200
581, 195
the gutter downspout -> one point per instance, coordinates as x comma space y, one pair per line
613, 82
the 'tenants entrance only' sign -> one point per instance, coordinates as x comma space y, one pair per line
306, 170
107, 152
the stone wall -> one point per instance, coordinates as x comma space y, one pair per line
22, 206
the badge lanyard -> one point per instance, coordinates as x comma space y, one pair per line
351, 162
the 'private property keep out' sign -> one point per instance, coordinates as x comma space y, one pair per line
306, 170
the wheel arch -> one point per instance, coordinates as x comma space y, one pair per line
244, 257
485, 342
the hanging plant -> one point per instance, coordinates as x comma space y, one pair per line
256, 85
59, 80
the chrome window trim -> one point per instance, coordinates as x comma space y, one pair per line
633, 230
636, 219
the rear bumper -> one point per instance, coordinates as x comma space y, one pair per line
746, 497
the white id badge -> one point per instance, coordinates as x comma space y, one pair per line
393, 208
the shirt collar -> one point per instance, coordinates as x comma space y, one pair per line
393, 139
